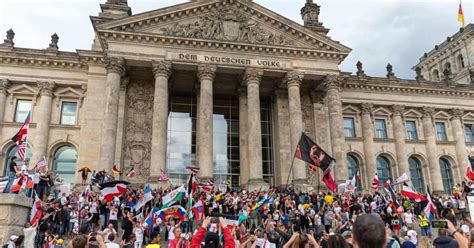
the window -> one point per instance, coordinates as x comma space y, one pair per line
416, 174
64, 164
440, 132
68, 113
383, 169
22, 109
380, 129
446, 174
469, 130
461, 61
13, 151
448, 66
352, 168
411, 130
349, 128
436, 75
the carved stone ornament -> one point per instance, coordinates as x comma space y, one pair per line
294, 78
446, 74
228, 24
360, 71
161, 68
9, 40
124, 83
390, 71
253, 75
206, 72
366, 108
5, 85
332, 82
115, 65
117, 2
46, 88
398, 110
428, 112
457, 113
419, 76
310, 14
54, 42
136, 148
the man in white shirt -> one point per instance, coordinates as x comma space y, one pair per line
408, 219
109, 243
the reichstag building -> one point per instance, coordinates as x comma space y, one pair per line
228, 86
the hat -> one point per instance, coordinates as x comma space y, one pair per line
347, 234
59, 242
13, 238
465, 228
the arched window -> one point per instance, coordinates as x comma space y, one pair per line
64, 163
448, 66
13, 151
352, 168
461, 61
436, 75
446, 174
383, 169
416, 174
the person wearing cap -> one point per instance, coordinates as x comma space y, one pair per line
11, 242
412, 240
347, 235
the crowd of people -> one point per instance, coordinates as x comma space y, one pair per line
237, 218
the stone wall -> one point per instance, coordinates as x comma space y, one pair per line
14, 212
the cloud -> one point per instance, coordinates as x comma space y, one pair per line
379, 32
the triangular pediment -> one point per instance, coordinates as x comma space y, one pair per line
22, 89
468, 117
68, 92
227, 21
441, 115
412, 113
350, 110
381, 111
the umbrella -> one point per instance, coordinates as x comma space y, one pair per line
84, 168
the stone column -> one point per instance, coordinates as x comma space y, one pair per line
252, 80
4, 85
430, 137
115, 68
399, 135
206, 75
458, 131
293, 80
332, 84
162, 72
368, 136
43, 117
243, 137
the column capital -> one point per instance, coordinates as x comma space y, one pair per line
253, 75
161, 68
332, 82
115, 64
457, 113
5, 85
398, 109
294, 78
427, 112
366, 108
206, 71
46, 88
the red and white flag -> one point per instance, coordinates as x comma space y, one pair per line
36, 212
163, 177
131, 173
41, 163
401, 179
111, 189
328, 180
22, 150
207, 186
198, 211
193, 169
430, 207
411, 193
375, 183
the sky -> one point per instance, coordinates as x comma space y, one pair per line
378, 31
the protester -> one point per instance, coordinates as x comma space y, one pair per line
12, 171
369, 231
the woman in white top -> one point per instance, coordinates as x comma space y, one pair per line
138, 231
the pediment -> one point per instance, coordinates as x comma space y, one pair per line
442, 115
468, 117
381, 111
412, 113
22, 89
227, 21
350, 110
68, 92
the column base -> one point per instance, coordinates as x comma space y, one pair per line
257, 184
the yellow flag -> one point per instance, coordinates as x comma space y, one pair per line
460, 15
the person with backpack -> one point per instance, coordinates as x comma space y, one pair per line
211, 241
392, 241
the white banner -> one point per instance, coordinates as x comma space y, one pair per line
470, 202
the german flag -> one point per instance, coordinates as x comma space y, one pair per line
117, 171
460, 15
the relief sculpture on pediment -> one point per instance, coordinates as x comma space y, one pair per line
138, 117
228, 24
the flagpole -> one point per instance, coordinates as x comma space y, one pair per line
290, 171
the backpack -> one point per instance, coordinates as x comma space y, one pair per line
390, 243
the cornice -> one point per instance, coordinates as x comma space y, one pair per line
40, 58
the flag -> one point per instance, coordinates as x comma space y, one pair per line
147, 193
207, 186
393, 198
21, 135
176, 210
150, 220
460, 15
193, 169
173, 196
327, 179
116, 171
163, 177
3, 183
260, 204
36, 212
311, 153
430, 207
22, 150
41, 163
469, 173
198, 211
401, 179
131, 173
375, 182
111, 189
192, 185
312, 168
410, 193
86, 192
22, 182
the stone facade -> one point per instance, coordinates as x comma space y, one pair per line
232, 48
